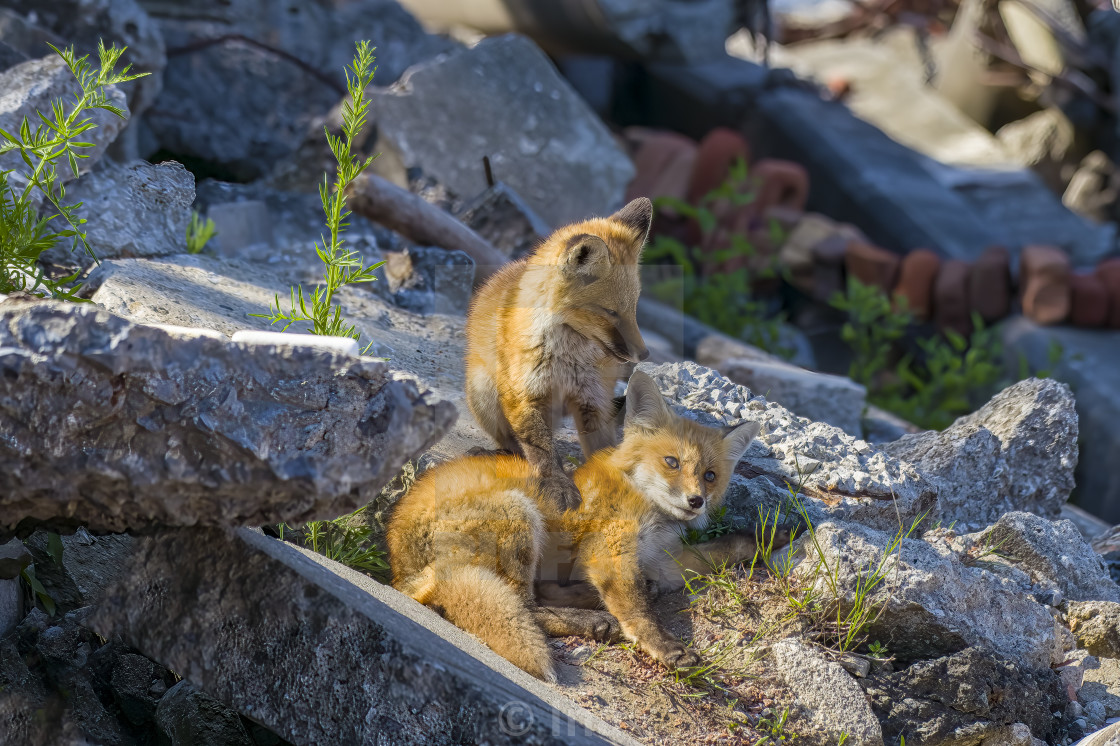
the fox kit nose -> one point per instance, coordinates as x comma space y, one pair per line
643, 355
696, 502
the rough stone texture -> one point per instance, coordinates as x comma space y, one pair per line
89, 565
30, 87
1017, 452
445, 115
501, 216
11, 604
935, 604
240, 106
189, 717
848, 479
964, 699
23, 40
1097, 626
13, 558
321, 654
174, 429
1053, 553
427, 280
135, 210
1102, 684
825, 698
121, 22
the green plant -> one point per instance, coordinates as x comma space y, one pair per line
774, 727
342, 266
347, 540
27, 574
878, 651
872, 328
718, 525
24, 236
720, 299
199, 232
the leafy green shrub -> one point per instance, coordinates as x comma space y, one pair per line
24, 236
346, 539
947, 378
721, 299
199, 233
342, 266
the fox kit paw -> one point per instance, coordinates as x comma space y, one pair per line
561, 490
682, 658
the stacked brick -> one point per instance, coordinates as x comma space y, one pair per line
818, 253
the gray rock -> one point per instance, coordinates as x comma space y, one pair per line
1097, 626
427, 279
965, 699
83, 23
134, 210
1017, 452
13, 558
1043, 141
261, 73
89, 565
11, 604
31, 87
181, 429
1053, 553
445, 115
835, 400
504, 219
933, 604
131, 683
1104, 737
321, 654
827, 700
23, 40
1102, 684
845, 478
191, 718
238, 225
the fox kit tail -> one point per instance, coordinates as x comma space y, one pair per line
477, 600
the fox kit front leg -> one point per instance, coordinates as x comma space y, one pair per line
532, 426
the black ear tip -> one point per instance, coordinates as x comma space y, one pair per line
637, 214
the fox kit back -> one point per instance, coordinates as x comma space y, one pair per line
554, 332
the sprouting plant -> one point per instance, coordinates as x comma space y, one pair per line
347, 540
722, 299
718, 525
199, 232
27, 574
872, 328
987, 547
774, 727
878, 651
342, 266
24, 235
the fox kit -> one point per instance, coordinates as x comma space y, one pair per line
469, 537
555, 331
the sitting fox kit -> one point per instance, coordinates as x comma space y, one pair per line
469, 537
554, 332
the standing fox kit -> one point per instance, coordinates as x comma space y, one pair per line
554, 332
469, 537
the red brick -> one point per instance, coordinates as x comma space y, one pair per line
1088, 301
657, 154
1109, 273
1044, 284
718, 151
871, 265
989, 285
915, 282
779, 183
950, 297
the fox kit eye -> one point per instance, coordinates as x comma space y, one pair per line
709, 476
609, 312
672, 462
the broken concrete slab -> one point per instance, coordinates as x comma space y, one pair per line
1087, 362
321, 654
132, 210
1017, 452
844, 478
188, 717
177, 430
444, 116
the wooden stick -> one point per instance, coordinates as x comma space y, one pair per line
384, 202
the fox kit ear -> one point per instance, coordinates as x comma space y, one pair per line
637, 215
586, 256
739, 438
645, 407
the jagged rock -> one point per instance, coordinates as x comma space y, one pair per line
321, 654
13, 558
847, 479
134, 210
191, 718
1017, 452
933, 603
89, 565
1102, 685
825, 699
22, 40
246, 79
124, 23
1054, 553
445, 115
31, 87
118, 426
501, 217
1097, 626
426, 279
964, 699
131, 682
